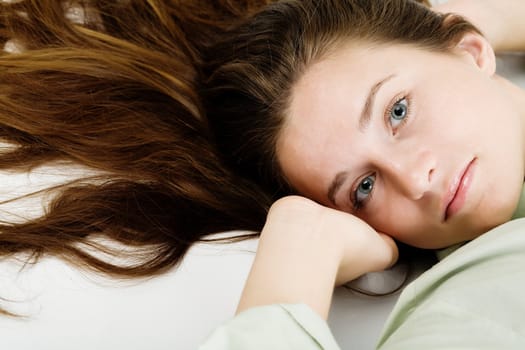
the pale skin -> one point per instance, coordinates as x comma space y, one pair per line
396, 171
306, 248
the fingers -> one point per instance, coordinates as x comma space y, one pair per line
359, 248
391, 249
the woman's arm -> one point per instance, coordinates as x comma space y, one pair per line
502, 22
306, 249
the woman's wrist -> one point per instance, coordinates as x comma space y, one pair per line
295, 262
306, 249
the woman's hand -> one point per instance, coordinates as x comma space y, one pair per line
502, 22
306, 249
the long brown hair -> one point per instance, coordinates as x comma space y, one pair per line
115, 90
252, 71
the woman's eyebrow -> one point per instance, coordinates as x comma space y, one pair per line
339, 179
366, 114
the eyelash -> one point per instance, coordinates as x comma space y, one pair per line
359, 205
390, 108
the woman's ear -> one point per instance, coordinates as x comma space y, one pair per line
480, 50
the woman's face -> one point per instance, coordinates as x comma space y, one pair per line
426, 147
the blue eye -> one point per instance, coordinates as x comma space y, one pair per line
363, 191
398, 112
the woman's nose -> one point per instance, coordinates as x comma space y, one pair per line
411, 172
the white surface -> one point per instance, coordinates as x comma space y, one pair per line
175, 311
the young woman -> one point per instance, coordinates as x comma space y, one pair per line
391, 117
112, 87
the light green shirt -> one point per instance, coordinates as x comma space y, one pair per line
472, 299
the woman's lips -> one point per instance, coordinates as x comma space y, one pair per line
457, 193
